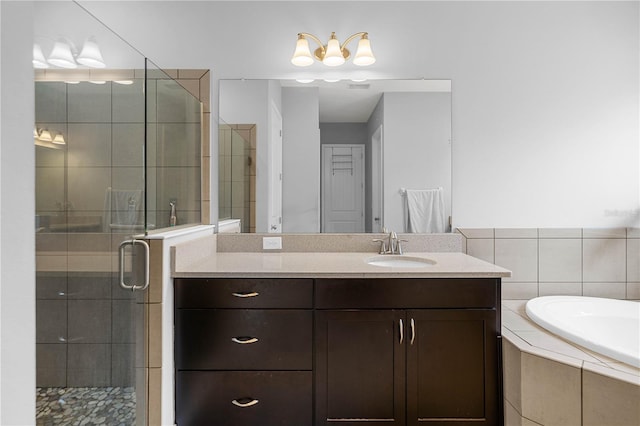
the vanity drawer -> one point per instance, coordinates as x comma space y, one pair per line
262, 339
207, 398
243, 293
403, 293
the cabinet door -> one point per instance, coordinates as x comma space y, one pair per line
360, 367
452, 367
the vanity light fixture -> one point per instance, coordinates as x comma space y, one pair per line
90, 54
333, 53
65, 55
61, 55
59, 139
39, 60
45, 136
42, 137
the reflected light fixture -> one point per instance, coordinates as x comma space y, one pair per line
59, 139
90, 54
65, 55
333, 53
45, 136
61, 55
38, 57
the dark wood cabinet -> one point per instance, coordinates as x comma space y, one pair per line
401, 351
243, 352
407, 351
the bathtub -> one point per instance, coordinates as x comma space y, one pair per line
610, 327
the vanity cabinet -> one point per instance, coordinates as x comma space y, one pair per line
243, 351
407, 352
392, 351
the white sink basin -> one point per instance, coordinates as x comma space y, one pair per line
400, 261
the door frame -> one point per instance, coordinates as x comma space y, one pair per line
377, 180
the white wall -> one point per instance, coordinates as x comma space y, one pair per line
545, 94
300, 160
417, 149
17, 207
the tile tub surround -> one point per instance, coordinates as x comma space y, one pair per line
561, 261
549, 381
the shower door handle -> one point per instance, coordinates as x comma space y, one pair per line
133, 242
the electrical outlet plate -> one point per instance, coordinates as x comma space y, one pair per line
272, 243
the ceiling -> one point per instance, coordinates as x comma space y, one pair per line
347, 101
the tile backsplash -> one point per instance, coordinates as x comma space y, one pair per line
603, 262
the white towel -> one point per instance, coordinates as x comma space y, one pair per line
122, 208
425, 209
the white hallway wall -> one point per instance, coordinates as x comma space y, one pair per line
545, 110
545, 94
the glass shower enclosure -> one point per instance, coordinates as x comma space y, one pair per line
117, 157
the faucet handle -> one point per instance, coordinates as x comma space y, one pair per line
383, 245
399, 245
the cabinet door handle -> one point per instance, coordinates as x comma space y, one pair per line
413, 331
245, 295
244, 340
401, 327
244, 404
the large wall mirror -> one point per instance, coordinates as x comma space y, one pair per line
346, 156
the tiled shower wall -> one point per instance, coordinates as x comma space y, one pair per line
237, 174
552, 261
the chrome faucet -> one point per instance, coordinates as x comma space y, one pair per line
391, 244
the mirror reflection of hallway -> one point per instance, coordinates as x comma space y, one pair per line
342, 200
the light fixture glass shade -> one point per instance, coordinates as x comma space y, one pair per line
45, 136
302, 55
91, 55
61, 55
35, 133
364, 55
39, 60
59, 139
333, 55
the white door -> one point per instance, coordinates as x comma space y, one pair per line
376, 181
274, 191
342, 188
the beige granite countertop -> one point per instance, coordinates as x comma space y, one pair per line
330, 265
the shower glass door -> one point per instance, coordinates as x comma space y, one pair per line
116, 147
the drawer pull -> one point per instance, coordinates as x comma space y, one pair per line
413, 330
401, 327
244, 340
245, 295
244, 404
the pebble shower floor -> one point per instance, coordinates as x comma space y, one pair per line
86, 406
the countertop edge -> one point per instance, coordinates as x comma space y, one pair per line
390, 274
